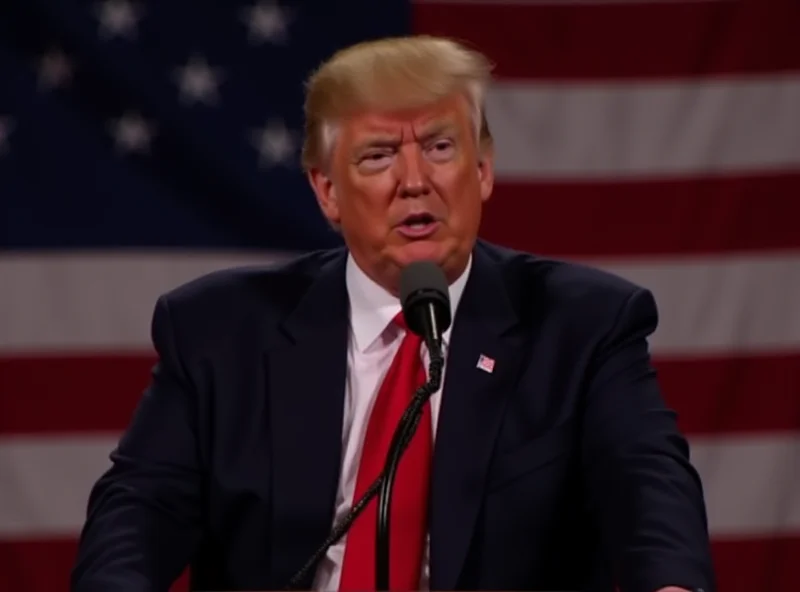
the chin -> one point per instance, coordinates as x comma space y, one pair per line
423, 250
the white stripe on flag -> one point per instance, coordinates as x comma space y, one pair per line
744, 304
105, 302
751, 484
645, 129
47, 482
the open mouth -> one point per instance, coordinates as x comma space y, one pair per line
418, 225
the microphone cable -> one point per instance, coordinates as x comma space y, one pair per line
402, 438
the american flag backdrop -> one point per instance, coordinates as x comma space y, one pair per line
143, 143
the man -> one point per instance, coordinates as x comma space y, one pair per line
556, 464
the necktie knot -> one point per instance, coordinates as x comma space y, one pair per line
400, 320
411, 339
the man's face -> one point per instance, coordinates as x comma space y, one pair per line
406, 187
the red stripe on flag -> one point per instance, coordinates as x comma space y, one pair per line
80, 394
745, 394
670, 217
63, 393
626, 40
38, 565
766, 564
45, 565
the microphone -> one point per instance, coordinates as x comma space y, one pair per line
424, 296
425, 299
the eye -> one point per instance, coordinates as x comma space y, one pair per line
441, 149
374, 160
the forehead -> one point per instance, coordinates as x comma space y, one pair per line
452, 112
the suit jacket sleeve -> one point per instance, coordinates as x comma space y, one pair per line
646, 495
144, 513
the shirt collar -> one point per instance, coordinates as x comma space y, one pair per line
372, 308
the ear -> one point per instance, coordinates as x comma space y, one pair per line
486, 172
326, 194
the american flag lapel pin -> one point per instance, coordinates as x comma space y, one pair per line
486, 363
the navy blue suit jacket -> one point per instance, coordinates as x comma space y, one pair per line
560, 470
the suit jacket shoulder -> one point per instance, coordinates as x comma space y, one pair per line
578, 294
222, 307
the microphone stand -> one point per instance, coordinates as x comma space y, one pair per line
400, 441
402, 437
383, 485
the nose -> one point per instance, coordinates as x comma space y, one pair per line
412, 172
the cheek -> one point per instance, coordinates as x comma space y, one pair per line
458, 187
369, 196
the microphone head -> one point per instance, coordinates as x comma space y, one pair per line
423, 285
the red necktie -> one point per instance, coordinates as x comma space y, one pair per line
409, 511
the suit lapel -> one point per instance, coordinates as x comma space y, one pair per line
473, 401
307, 368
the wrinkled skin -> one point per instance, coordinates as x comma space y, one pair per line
387, 166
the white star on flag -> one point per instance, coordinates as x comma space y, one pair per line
132, 133
118, 18
275, 144
198, 81
55, 69
266, 22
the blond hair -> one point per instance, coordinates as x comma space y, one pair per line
391, 74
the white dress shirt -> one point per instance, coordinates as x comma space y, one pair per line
373, 342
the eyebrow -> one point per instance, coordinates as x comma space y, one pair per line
439, 129
383, 141
392, 141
